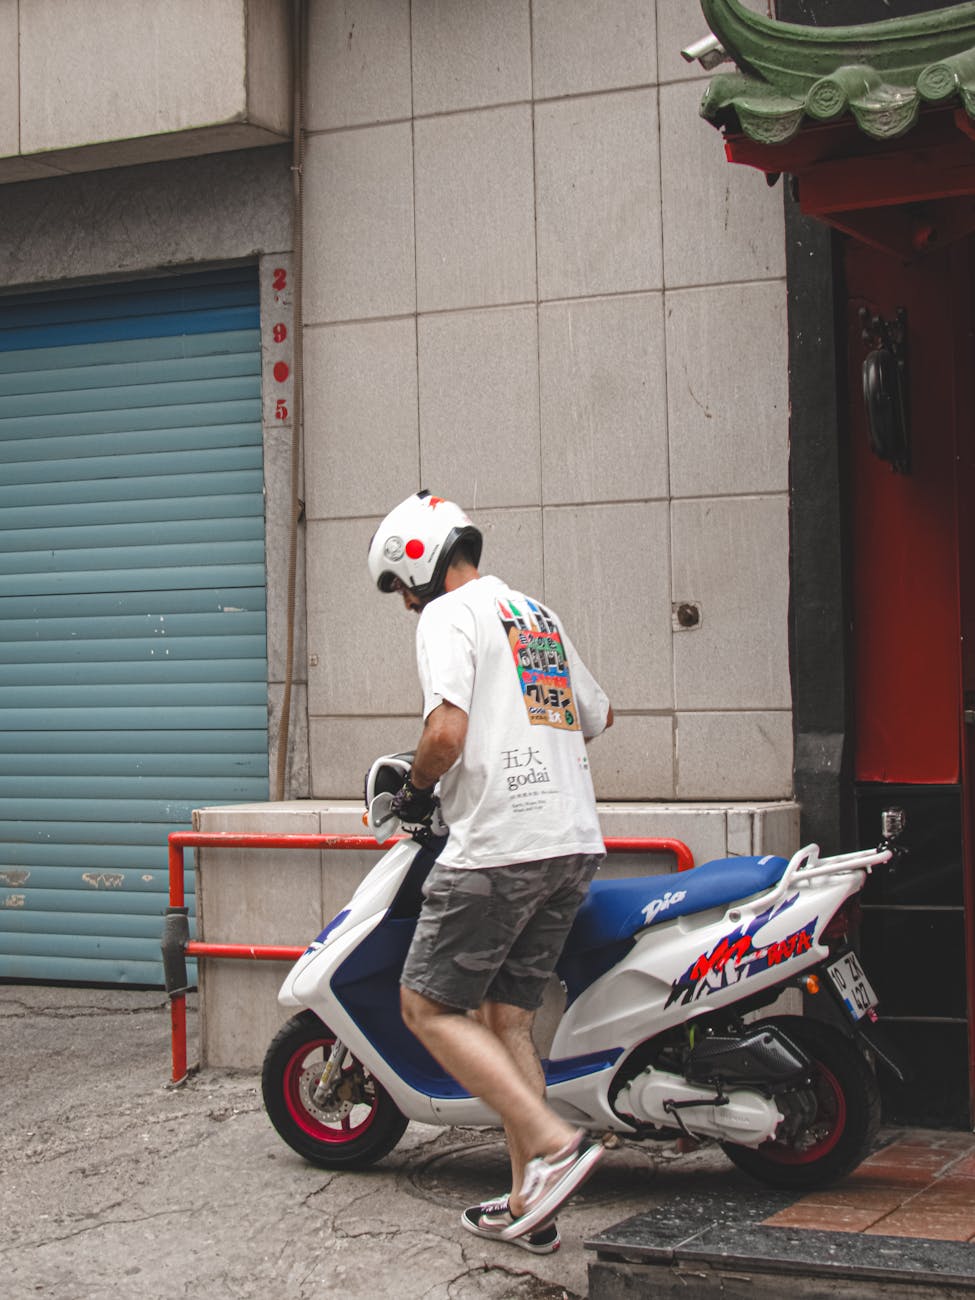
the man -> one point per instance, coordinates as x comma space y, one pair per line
508, 707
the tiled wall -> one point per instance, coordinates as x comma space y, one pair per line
533, 284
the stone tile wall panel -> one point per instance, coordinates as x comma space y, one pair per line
475, 209
730, 558
9, 79
603, 390
579, 47
563, 308
359, 64
598, 186
360, 417
607, 573
478, 379
470, 56
359, 224
727, 408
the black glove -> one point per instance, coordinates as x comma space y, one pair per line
414, 806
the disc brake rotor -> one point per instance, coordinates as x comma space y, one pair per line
350, 1091
810, 1123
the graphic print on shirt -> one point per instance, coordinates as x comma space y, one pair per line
541, 664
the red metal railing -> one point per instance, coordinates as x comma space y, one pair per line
177, 945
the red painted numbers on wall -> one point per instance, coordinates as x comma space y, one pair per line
280, 370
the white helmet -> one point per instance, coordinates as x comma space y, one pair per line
416, 542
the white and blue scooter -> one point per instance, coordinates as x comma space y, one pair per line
665, 978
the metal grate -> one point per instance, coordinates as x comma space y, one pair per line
133, 673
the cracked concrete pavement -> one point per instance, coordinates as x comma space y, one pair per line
113, 1184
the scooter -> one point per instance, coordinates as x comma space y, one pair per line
662, 1036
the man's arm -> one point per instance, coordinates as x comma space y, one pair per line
444, 733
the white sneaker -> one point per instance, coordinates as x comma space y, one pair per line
490, 1218
550, 1181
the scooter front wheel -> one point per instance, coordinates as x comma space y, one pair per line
832, 1122
360, 1124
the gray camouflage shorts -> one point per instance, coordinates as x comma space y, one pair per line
494, 934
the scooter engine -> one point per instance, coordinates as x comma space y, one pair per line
728, 1087
667, 1101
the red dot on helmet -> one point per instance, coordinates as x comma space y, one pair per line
415, 548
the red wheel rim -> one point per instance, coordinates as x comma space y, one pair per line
296, 1074
832, 1107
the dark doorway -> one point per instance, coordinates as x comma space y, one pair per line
913, 599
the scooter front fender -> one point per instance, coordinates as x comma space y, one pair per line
308, 982
363, 912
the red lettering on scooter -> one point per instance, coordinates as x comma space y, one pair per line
719, 958
791, 947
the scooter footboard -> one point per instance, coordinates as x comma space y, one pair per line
578, 1089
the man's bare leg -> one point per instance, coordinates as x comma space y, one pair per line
513, 1026
481, 1061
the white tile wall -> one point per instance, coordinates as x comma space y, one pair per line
777, 830
359, 224
478, 389
9, 80
679, 24
359, 63
726, 406
703, 830
549, 297
470, 55
475, 218
360, 417
603, 399
580, 47
598, 184
607, 574
343, 749
734, 755
730, 558
172, 66
634, 760
513, 547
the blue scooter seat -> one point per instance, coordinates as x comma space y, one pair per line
616, 909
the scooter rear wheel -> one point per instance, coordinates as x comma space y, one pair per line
832, 1141
359, 1127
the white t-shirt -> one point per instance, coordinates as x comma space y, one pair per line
521, 788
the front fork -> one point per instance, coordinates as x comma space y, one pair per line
324, 1093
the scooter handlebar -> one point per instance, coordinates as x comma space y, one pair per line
382, 822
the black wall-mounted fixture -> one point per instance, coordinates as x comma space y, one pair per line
885, 388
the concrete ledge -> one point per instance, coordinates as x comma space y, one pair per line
719, 1236
278, 896
746, 1281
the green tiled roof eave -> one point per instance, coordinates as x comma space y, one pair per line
764, 114
880, 72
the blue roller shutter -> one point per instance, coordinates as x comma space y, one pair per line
133, 653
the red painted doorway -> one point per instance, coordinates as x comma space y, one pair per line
913, 579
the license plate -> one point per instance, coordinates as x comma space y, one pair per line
852, 985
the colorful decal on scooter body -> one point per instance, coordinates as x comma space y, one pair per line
736, 957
